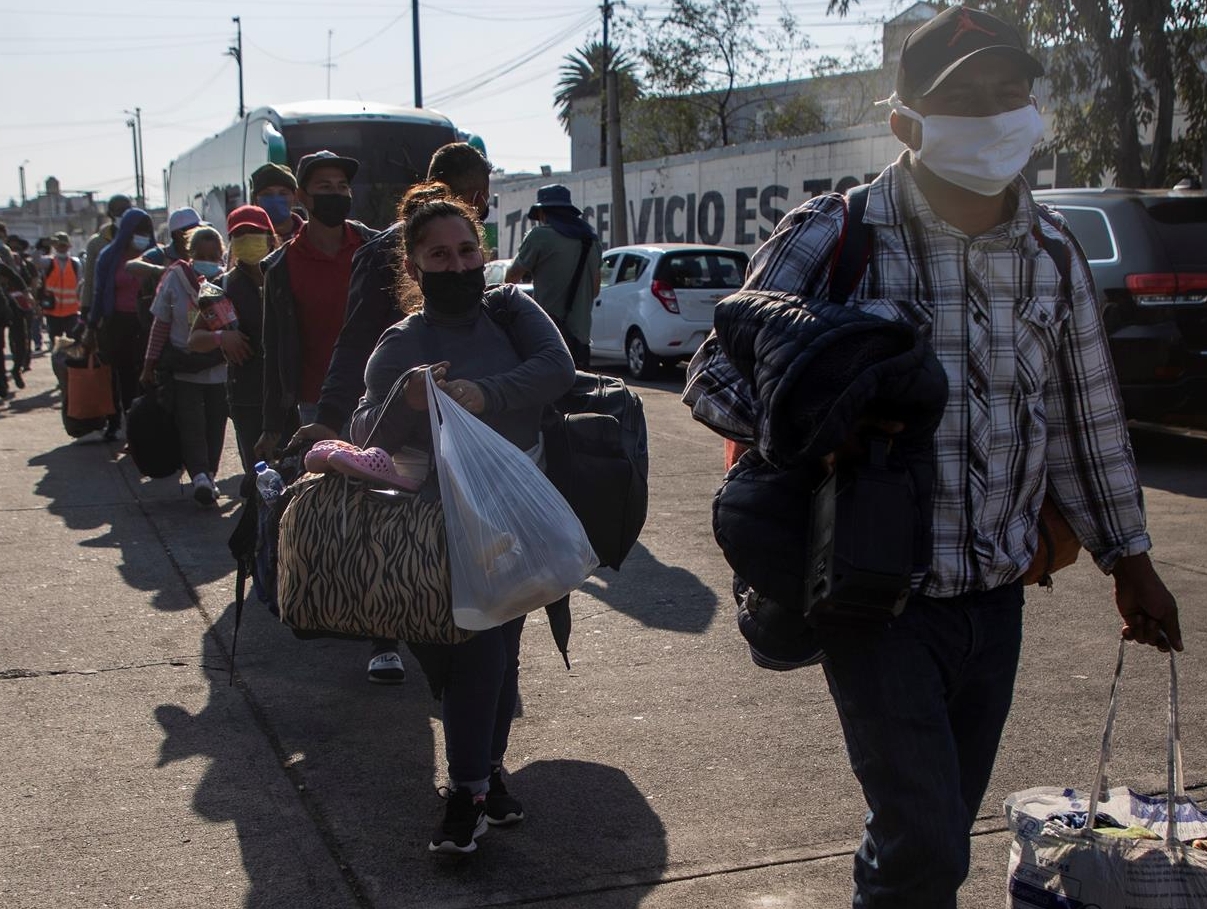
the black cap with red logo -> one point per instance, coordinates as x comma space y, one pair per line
933, 51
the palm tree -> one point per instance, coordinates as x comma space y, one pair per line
582, 77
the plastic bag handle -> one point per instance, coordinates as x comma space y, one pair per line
1174, 782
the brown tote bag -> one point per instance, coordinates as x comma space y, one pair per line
90, 390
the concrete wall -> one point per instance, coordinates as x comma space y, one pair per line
731, 196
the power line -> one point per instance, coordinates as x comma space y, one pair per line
475, 82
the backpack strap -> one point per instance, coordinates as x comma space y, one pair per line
578, 274
1060, 249
851, 255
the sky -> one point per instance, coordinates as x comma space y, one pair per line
75, 71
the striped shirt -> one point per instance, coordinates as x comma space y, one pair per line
1033, 403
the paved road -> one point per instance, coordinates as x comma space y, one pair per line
664, 770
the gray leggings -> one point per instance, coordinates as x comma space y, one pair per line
201, 421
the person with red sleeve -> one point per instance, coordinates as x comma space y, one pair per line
305, 299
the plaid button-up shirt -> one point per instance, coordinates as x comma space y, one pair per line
1033, 403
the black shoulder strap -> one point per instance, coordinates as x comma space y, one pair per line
854, 250
1061, 250
578, 274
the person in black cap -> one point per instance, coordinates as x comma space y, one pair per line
960, 250
563, 255
305, 300
274, 188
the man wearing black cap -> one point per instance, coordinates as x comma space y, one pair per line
960, 250
275, 189
563, 255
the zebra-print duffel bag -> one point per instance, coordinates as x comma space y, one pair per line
365, 562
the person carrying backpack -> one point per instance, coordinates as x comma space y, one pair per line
959, 252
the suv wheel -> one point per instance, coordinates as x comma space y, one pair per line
642, 364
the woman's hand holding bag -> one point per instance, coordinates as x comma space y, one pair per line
514, 545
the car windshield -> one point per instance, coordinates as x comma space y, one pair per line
703, 270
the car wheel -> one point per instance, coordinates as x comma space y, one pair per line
642, 364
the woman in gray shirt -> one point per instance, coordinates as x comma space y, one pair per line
504, 368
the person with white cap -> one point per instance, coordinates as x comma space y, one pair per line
152, 264
1000, 290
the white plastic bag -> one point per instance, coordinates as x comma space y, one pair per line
514, 545
1053, 864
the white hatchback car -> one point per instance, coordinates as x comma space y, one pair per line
656, 301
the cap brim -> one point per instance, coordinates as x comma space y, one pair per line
1031, 67
348, 165
535, 208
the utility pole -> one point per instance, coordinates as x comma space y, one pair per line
237, 53
330, 32
21, 171
137, 177
415, 44
603, 86
142, 164
619, 235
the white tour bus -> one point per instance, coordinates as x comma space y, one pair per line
392, 144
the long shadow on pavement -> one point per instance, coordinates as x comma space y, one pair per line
360, 761
656, 594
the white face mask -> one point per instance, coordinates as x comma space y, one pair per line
980, 154
141, 242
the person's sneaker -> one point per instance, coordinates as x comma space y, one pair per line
18, 380
464, 821
385, 668
204, 491
501, 809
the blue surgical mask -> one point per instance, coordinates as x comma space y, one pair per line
277, 207
207, 269
141, 242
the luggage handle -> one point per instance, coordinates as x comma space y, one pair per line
1174, 783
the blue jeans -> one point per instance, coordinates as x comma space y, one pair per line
922, 704
481, 690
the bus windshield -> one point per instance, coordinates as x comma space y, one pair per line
393, 156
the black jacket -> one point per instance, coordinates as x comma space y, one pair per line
372, 308
282, 345
818, 369
245, 382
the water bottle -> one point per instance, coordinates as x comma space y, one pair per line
268, 482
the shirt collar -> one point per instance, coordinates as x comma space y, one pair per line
895, 198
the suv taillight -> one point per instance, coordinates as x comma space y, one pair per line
666, 295
1168, 289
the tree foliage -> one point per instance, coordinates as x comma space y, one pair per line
582, 76
695, 58
1119, 70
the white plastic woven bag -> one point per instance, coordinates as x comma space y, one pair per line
514, 545
1145, 863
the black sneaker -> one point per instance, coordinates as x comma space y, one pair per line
501, 809
464, 821
17, 379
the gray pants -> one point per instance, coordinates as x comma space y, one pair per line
201, 421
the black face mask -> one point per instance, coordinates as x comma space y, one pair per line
331, 209
453, 293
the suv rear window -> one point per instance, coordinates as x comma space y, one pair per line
1089, 226
704, 270
1181, 228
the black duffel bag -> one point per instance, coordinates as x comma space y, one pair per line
152, 438
597, 455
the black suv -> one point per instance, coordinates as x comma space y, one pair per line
1148, 252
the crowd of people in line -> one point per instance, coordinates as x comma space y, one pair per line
327, 316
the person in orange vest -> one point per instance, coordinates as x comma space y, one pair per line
61, 288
